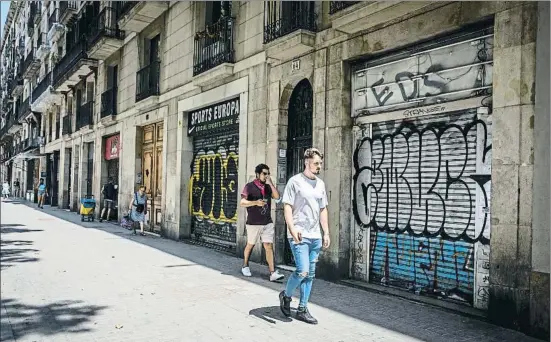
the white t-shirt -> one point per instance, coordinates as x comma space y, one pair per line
307, 197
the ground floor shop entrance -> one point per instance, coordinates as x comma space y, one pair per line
213, 186
152, 173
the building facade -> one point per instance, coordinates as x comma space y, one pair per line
433, 118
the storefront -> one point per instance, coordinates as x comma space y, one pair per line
111, 155
214, 173
422, 168
112, 145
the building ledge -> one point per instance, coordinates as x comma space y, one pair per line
108, 120
142, 15
55, 32
213, 75
104, 48
366, 15
291, 46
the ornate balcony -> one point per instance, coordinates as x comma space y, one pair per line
24, 110
105, 37
16, 83
67, 12
43, 95
67, 125
31, 65
134, 16
38, 16
85, 115
72, 67
147, 81
294, 20
108, 103
43, 45
214, 47
32, 142
55, 28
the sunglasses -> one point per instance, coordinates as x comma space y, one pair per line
265, 173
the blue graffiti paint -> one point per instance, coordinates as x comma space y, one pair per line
424, 265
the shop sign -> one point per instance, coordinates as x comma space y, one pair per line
214, 118
448, 73
112, 147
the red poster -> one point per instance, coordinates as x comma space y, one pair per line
112, 147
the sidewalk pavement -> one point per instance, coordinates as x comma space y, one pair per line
66, 280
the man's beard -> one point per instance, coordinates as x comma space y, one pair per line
317, 172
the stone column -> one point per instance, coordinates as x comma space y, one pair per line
333, 135
512, 165
541, 223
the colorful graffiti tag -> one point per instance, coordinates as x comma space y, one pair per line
422, 189
213, 190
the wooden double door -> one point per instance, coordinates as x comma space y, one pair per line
152, 173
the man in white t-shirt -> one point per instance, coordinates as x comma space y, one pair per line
305, 209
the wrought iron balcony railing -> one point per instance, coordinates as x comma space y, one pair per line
67, 125
214, 46
42, 86
24, 109
335, 6
284, 17
65, 7
85, 115
28, 60
123, 7
76, 53
38, 16
109, 102
42, 38
106, 25
147, 81
32, 142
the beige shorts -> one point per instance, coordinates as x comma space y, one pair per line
266, 233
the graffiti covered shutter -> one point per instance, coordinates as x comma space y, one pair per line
213, 190
421, 198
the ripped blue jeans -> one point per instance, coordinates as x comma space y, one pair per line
306, 256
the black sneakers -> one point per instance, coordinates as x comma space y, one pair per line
304, 315
285, 304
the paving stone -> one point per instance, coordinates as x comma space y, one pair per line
65, 280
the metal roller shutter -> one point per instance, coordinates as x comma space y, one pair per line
420, 188
213, 190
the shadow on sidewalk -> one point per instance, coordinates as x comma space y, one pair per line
270, 314
12, 251
410, 318
8, 228
63, 317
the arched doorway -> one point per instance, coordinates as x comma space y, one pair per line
299, 135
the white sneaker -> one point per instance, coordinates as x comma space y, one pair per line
246, 271
276, 276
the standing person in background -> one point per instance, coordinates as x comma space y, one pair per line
138, 208
6, 189
109, 192
257, 198
16, 188
305, 209
41, 193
